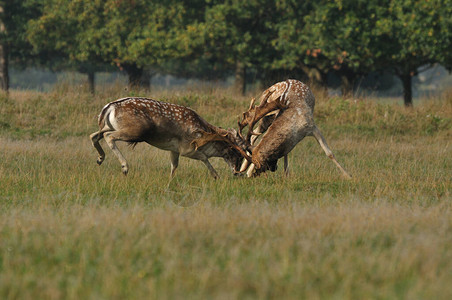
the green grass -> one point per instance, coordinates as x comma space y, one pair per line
70, 229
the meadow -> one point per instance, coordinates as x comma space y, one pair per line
70, 229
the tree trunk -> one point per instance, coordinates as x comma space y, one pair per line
317, 78
4, 75
145, 81
139, 78
348, 79
91, 82
273, 76
134, 73
407, 89
346, 87
240, 78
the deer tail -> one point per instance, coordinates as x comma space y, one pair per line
103, 116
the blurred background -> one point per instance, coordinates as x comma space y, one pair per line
351, 48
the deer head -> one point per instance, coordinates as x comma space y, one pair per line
234, 145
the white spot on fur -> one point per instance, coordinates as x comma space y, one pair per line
299, 111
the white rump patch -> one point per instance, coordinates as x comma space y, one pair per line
112, 123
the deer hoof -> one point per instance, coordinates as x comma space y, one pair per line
125, 170
347, 176
100, 160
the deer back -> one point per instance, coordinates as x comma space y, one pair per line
290, 92
143, 119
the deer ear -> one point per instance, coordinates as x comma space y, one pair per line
203, 138
233, 132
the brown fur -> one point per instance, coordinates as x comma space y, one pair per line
167, 126
292, 123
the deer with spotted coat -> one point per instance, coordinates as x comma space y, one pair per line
167, 126
286, 114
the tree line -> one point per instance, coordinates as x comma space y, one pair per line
209, 39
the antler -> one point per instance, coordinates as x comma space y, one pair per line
249, 117
252, 103
208, 137
246, 117
262, 111
256, 113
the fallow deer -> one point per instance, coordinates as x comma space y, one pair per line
266, 113
167, 126
287, 110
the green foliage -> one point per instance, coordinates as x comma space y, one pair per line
316, 38
15, 15
411, 34
142, 33
341, 34
237, 31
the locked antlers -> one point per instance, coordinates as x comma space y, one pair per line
255, 113
221, 135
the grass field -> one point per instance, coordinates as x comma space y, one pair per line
70, 229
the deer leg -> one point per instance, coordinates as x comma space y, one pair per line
95, 138
111, 137
211, 169
321, 140
286, 164
174, 156
174, 163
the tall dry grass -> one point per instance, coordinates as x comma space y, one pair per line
72, 230
253, 250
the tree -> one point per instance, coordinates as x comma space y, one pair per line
342, 34
297, 51
131, 34
271, 38
353, 38
413, 35
4, 80
238, 34
329, 36
14, 14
